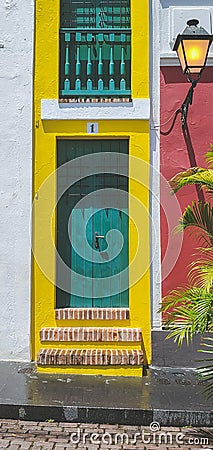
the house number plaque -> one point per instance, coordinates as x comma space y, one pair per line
92, 127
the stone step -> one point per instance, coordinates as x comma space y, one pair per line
92, 314
90, 334
89, 357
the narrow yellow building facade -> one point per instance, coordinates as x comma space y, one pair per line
91, 246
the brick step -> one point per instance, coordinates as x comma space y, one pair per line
89, 334
86, 357
92, 314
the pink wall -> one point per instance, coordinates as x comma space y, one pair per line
174, 154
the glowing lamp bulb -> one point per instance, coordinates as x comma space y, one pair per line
194, 53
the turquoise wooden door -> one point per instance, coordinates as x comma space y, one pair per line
92, 235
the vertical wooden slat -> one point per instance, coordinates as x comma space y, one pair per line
100, 40
67, 62
89, 61
111, 63
122, 64
78, 62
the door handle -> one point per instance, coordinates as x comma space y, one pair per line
97, 237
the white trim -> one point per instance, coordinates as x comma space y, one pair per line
138, 109
169, 59
156, 279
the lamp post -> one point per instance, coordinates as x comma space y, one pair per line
192, 47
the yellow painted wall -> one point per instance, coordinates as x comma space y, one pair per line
45, 135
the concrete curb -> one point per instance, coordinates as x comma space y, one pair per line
112, 416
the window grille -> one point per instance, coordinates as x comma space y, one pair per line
95, 14
95, 49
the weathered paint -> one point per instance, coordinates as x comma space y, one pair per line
138, 109
46, 87
16, 74
155, 245
175, 156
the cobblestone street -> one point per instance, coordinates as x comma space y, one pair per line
17, 435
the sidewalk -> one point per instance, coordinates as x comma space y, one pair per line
23, 435
171, 397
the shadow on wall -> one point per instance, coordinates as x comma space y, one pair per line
165, 353
175, 75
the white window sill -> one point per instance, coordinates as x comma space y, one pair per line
138, 109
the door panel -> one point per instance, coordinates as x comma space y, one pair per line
93, 239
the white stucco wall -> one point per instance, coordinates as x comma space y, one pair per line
16, 78
173, 17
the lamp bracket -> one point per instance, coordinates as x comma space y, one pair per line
188, 100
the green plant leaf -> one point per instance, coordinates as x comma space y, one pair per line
187, 312
209, 157
194, 175
201, 272
206, 372
199, 215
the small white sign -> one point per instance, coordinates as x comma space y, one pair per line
92, 127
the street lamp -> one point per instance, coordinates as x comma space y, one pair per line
192, 47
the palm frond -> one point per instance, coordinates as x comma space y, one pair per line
184, 332
201, 272
209, 157
187, 312
194, 175
206, 372
199, 215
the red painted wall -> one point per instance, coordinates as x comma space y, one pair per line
176, 152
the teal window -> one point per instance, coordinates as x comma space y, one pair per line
95, 49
